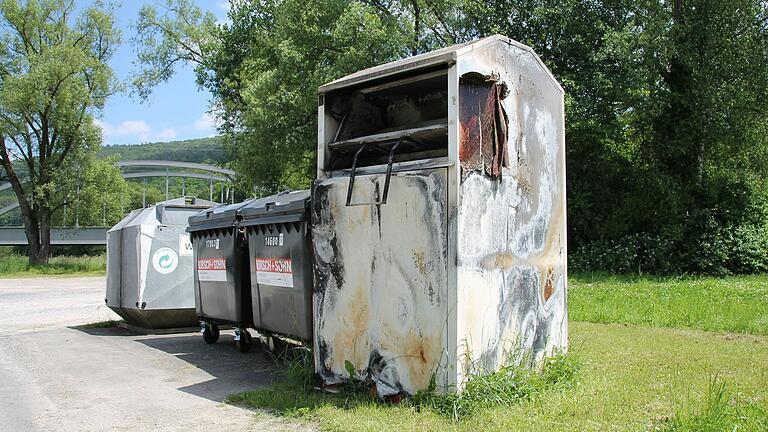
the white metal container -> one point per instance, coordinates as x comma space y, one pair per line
439, 218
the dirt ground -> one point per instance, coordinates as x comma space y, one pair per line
56, 376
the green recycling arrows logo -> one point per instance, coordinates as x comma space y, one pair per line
165, 260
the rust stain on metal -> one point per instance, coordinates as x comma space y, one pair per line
420, 352
420, 262
548, 288
484, 125
350, 342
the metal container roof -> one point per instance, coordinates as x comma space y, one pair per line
221, 216
158, 214
268, 208
443, 56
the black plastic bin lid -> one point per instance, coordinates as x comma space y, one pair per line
283, 207
221, 216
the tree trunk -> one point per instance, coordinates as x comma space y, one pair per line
38, 243
38, 239
45, 235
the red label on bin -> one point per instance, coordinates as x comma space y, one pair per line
274, 271
211, 270
274, 265
211, 264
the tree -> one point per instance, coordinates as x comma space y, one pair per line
53, 78
665, 103
263, 68
93, 191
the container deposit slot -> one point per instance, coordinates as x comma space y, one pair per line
398, 120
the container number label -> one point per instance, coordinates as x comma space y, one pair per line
211, 270
274, 271
273, 240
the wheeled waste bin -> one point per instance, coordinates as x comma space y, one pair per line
280, 263
221, 277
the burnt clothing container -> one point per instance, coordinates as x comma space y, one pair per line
438, 218
280, 258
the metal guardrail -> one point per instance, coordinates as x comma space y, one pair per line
14, 236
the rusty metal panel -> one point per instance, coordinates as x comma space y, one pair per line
484, 124
380, 278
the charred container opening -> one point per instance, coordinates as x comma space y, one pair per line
409, 113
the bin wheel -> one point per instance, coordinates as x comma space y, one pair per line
211, 333
244, 343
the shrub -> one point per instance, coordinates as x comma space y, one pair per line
706, 247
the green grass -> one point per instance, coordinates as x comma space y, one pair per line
13, 265
632, 378
721, 412
734, 304
507, 387
636, 373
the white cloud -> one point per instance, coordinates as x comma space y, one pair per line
133, 127
167, 134
133, 131
223, 4
206, 123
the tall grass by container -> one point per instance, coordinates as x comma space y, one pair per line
15, 265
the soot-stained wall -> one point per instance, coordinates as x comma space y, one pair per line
511, 226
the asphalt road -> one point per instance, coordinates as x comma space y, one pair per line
55, 376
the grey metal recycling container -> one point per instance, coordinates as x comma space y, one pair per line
222, 285
280, 263
149, 265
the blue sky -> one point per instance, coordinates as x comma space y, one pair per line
177, 110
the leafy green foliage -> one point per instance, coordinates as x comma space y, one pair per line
54, 78
292, 48
665, 104
201, 150
93, 189
265, 66
184, 34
